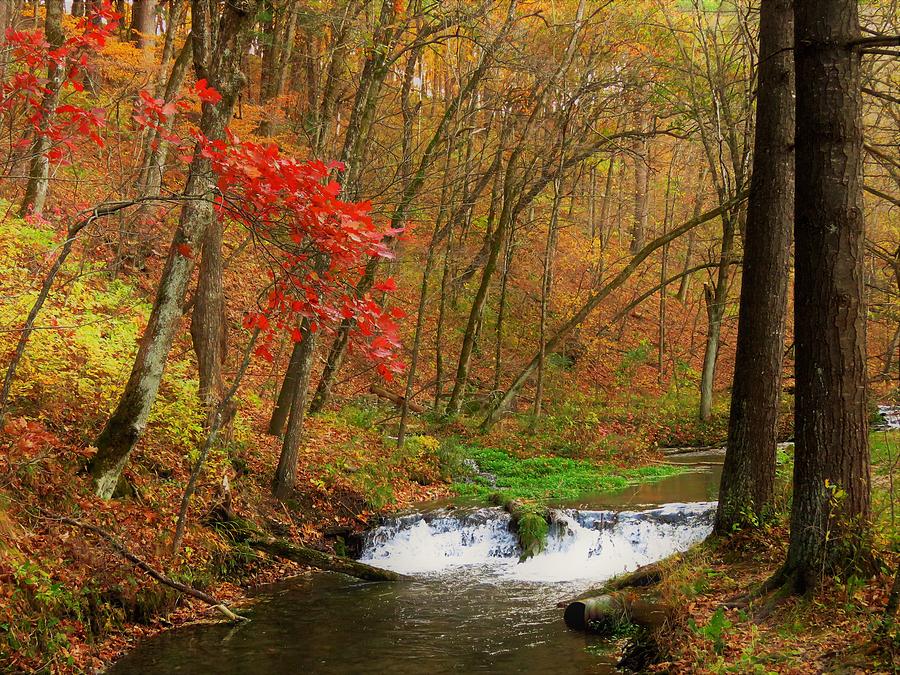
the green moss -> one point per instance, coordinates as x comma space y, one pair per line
532, 530
550, 477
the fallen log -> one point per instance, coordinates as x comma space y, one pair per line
396, 399
323, 561
240, 530
150, 571
642, 577
530, 524
607, 614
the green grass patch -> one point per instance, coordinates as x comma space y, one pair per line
550, 477
885, 449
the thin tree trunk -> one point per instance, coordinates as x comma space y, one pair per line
891, 354
716, 299
39, 174
127, 423
546, 289
286, 472
831, 507
501, 310
594, 301
641, 189
439, 332
603, 227
692, 236
286, 394
748, 476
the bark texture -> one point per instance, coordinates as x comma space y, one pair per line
748, 476
830, 510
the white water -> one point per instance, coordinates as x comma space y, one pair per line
891, 415
583, 545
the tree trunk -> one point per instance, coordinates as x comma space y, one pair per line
208, 330
831, 509
286, 473
501, 309
546, 289
143, 23
127, 423
641, 189
716, 298
748, 476
603, 227
279, 32
39, 174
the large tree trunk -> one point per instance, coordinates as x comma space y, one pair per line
830, 513
126, 426
748, 476
39, 174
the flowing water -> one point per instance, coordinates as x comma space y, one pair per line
470, 605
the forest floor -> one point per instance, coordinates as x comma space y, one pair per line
836, 630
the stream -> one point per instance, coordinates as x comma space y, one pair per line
470, 606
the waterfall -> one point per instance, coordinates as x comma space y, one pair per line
582, 544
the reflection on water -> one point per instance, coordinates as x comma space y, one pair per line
472, 618
326, 623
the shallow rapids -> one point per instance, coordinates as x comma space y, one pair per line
470, 606
582, 545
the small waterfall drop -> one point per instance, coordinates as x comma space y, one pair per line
582, 544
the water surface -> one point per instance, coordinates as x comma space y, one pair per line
470, 606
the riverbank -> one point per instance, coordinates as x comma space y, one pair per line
70, 602
839, 629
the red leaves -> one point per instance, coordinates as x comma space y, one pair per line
185, 250
24, 91
388, 285
206, 93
